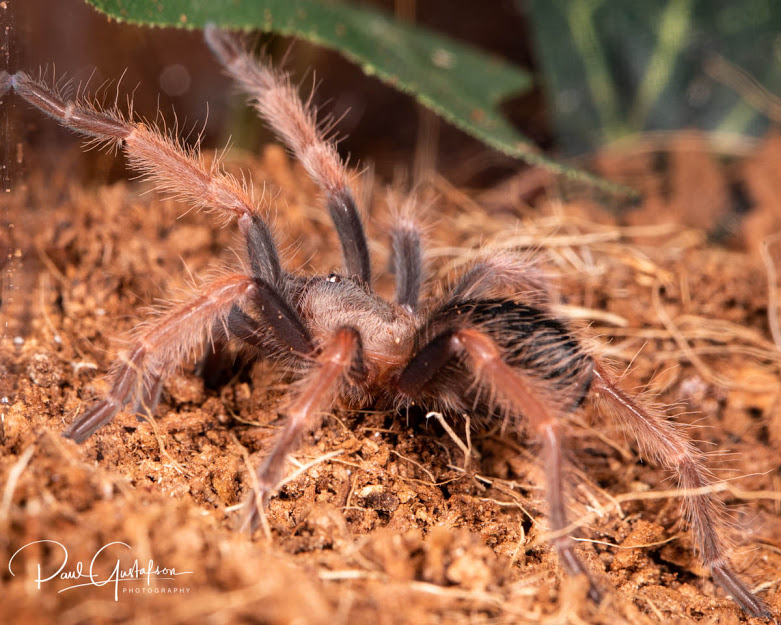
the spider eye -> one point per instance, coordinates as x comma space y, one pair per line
334, 277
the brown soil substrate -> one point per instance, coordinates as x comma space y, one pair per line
390, 523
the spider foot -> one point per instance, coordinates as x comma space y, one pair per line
729, 581
88, 423
573, 564
253, 515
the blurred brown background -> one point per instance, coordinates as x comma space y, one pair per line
171, 70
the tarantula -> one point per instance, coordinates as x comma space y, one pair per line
472, 350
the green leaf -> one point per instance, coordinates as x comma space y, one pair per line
460, 83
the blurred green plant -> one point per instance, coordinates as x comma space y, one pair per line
460, 83
615, 68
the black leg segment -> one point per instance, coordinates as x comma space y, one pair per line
262, 252
282, 320
348, 225
407, 265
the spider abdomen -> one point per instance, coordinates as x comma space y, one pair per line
530, 339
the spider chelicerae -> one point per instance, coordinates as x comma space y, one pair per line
475, 349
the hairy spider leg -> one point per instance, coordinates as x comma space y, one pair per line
217, 366
261, 250
295, 123
180, 170
283, 322
151, 390
173, 167
340, 362
292, 337
162, 345
658, 437
407, 262
218, 363
504, 274
660, 440
159, 347
522, 396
